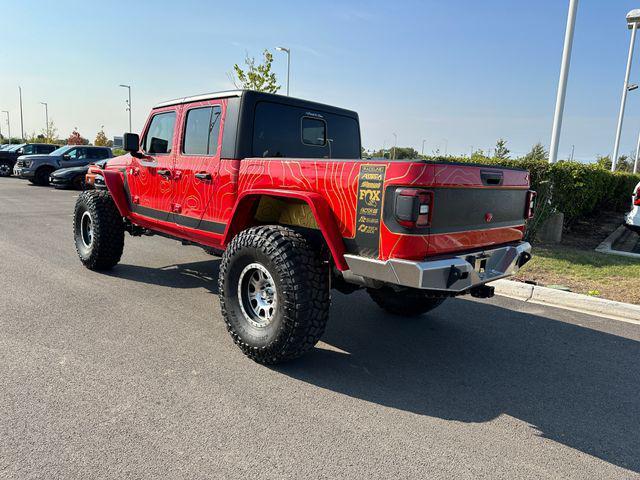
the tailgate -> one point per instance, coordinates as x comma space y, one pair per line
476, 207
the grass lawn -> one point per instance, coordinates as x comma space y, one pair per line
584, 271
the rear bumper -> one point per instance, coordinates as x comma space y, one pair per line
454, 274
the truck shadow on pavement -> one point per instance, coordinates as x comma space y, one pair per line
202, 274
471, 362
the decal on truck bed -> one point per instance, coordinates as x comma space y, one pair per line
369, 209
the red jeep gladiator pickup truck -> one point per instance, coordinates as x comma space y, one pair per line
278, 187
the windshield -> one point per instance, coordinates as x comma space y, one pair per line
62, 150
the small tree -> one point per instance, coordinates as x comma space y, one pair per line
537, 153
76, 139
49, 134
256, 77
101, 139
502, 151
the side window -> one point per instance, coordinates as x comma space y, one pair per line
201, 131
81, 153
28, 149
314, 131
73, 153
159, 137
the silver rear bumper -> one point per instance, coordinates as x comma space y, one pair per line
454, 274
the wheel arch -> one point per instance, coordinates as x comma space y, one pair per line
249, 203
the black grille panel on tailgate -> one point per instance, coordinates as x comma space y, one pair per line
461, 209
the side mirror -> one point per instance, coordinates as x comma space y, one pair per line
66, 156
131, 142
20, 151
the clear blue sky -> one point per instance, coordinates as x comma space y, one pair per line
465, 71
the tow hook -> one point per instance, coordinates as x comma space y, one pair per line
482, 291
455, 274
524, 258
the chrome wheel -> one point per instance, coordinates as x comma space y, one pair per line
86, 229
5, 170
257, 294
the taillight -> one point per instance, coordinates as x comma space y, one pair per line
413, 207
531, 203
636, 197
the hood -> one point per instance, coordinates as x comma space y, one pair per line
48, 158
62, 172
39, 156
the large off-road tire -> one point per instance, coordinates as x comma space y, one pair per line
41, 177
5, 168
407, 303
274, 293
98, 230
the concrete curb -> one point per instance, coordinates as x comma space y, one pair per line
570, 301
607, 244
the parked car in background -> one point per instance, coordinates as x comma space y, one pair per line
38, 168
9, 156
632, 219
72, 177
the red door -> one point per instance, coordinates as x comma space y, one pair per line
150, 179
196, 168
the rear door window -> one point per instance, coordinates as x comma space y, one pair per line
159, 137
97, 153
201, 131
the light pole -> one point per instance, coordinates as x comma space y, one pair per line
21, 119
46, 117
128, 87
395, 144
635, 162
288, 52
562, 82
8, 124
633, 17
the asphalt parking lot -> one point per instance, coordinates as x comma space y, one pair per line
131, 374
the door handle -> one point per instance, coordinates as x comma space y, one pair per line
203, 176
164, 173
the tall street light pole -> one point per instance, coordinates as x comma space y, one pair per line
46, 117
21, 119
633, 17
8, 124
288, 52
128, 87
562, 83
635, 162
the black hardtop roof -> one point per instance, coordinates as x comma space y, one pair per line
255, 97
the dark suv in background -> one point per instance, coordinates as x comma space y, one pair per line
38, 168
8, 156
